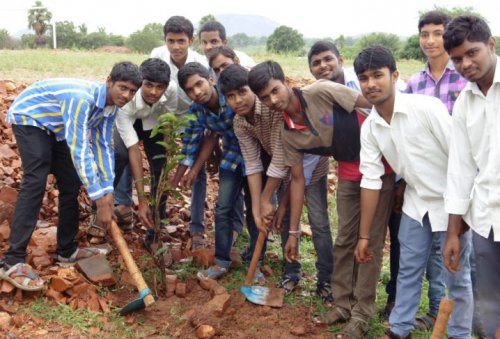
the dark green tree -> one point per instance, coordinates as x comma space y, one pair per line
241, 40
285, 40
412, 50
38, 20
389, 40
145, 40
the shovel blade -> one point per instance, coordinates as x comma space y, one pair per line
261, 295
134, 306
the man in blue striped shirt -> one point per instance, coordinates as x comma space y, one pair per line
64, 126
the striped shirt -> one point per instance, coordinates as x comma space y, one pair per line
73, 110
447, 88
265, 133
220, 122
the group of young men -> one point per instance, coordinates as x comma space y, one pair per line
424, 163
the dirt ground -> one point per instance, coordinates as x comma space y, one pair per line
188, 313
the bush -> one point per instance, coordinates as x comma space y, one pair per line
285, 40
145, 40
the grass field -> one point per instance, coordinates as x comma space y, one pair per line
32, 65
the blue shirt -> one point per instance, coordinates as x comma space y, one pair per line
73, 110
220, 122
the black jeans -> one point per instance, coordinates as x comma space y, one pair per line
42, 154
155, 165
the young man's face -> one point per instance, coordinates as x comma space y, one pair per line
178, 45
276, 95
475, 61
326, 65
199, 89
378, 85
152, 91
119, 93
221, 62
431, 40
211, 40
241, 100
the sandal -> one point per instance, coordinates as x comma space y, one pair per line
391, 335
324, 291
355, 329
214, 272
425, 323
288, 284
79, 254
335, 316
198, 242
95, 230
31, 281
124, 217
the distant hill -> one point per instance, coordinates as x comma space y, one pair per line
251, 25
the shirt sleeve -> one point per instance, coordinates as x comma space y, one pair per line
462, 168
191, 140
250, 149
342, 95
104, 155
371, 165
292, 155
76, 113
125, 126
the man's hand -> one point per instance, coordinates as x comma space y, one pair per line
105, 211
291, 250
188, 179
362, 253
261, 225
267, 211
451, 252
145, 214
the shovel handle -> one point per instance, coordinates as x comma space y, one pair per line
132, 268
445, 310
255, 258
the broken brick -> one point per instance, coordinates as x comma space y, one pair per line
219, 304
180, 290
97, 269
60, 284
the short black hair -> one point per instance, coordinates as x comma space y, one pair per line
189, 69
225, 51
320, 47
433, 17
126, 71
212, 26
374, 57
178, 24
260, 75
465, 27
155, 70
233, 77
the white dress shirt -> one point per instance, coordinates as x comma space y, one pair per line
137, 108
474, 164
415, 144
245, 60
183, 100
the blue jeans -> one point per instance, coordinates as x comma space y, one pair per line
436, 275
415, 240
198, 196
487, 253
317, 213
230, 190
123, 191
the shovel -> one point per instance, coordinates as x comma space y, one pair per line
260, 295
445, 309
145, 295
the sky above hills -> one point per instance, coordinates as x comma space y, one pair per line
311, 18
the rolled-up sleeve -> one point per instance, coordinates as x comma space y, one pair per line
371, 165
191, 140
250, 149
125, 126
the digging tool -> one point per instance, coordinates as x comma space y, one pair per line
445, 310
260, 295
145, 295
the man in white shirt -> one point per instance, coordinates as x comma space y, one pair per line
213, 34
178, 34
412, 133
134, 123
473, 182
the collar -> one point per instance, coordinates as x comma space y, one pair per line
400, 107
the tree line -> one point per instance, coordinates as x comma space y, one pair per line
284, 39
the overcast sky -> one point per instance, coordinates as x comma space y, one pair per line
320, 18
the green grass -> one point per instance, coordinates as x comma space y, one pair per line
31, 65
81, 320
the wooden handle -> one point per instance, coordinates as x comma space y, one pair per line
132, 268
255, 258
445, 310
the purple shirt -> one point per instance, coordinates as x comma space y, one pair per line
447, 88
